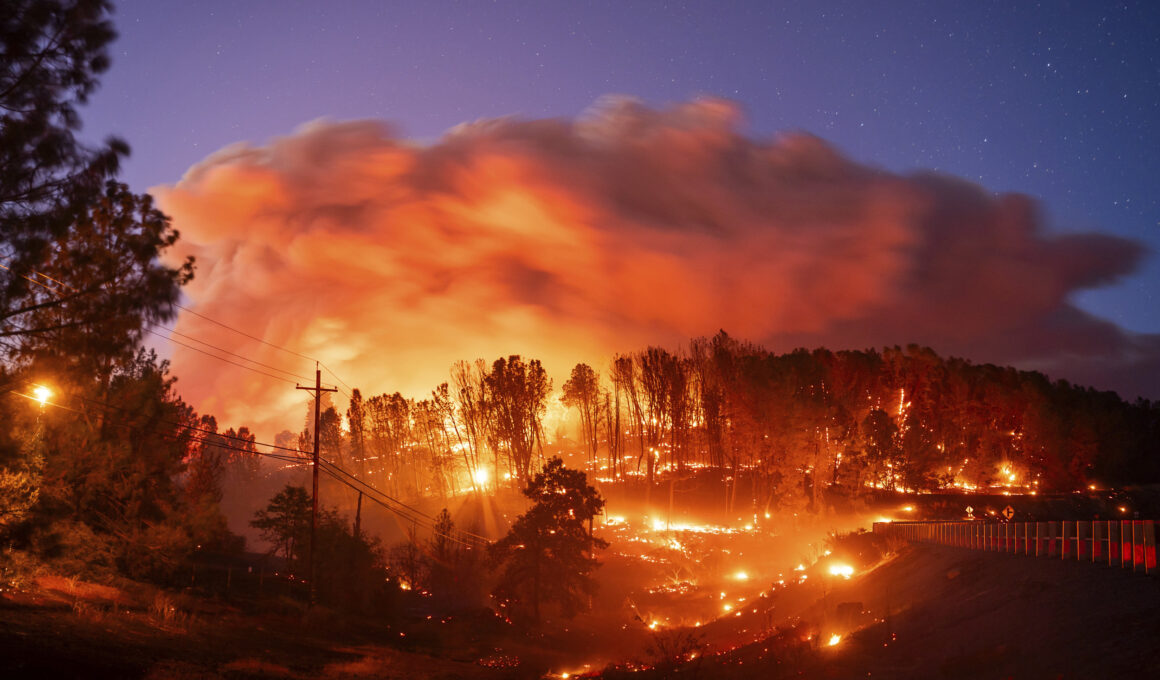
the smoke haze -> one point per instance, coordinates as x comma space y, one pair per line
570, 240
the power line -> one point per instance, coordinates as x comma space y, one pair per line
175, 435
270, 344
429, 523
243, 333
338, 473
226, 351
404, 510
248, 368
391, 499
191, 427
346, 392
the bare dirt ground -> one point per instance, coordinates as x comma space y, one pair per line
57, 628
941, 612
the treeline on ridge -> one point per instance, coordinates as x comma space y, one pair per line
792, 426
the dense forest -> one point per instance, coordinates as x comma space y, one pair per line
794, 425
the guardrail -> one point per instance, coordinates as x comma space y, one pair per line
1129, 544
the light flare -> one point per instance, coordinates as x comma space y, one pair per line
42, 394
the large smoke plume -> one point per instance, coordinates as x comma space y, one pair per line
569, 240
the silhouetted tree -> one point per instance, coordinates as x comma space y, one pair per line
582, 392
517, 394
285, 523
51, 53
548, 554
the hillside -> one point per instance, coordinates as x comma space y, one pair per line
930, 612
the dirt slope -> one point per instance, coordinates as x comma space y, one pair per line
940, 612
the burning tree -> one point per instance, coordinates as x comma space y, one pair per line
517, 394
582, 391
548, 553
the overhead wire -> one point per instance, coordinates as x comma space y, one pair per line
424, 520
225, 351
407, 510
301, 460
337, 472
404, 510
412, 509
270, 344
202, 342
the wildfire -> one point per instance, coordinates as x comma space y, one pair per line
835, 639
843, 570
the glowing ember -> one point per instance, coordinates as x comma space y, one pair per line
843, 570
835, 639
741, 576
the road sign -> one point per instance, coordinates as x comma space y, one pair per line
970, 510
1008, 512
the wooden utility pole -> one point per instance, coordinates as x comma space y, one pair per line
318, 389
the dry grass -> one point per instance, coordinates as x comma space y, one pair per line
84, 590
171, 612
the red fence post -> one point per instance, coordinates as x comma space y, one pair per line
1126, 557
1066, 537
1040, 539
1149, 530
1020, 538
1052, 539
1115, 554
1138, 546
1099, 531
1083, 549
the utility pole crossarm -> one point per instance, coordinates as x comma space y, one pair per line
318, 389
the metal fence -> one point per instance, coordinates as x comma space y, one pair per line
1129, 544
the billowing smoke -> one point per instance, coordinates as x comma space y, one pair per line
569, 240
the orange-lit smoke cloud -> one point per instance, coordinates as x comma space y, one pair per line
569, 240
